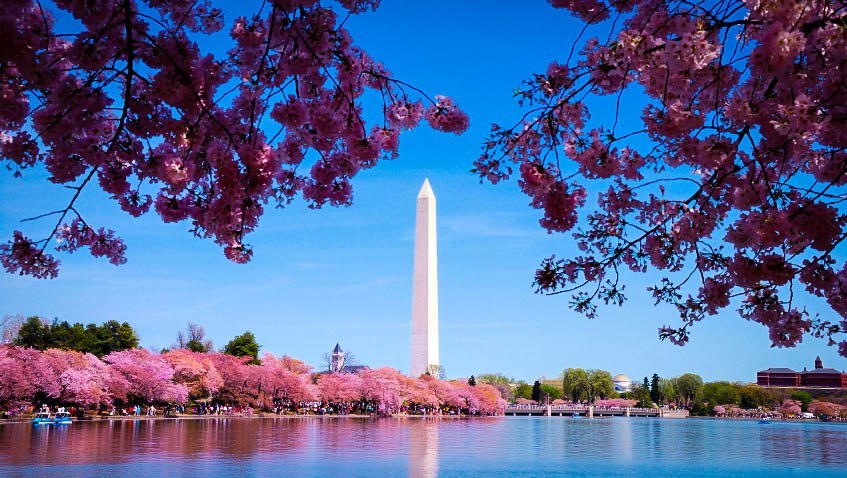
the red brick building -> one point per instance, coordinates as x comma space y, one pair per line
778, 377
819, 377
823, 377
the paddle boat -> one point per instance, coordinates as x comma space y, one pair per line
43, 417
765, 420
62, 417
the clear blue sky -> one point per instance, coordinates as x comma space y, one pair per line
345, 275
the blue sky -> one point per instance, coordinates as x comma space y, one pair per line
345, 275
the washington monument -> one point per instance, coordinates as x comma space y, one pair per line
425, 293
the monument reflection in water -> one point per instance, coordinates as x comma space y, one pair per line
519, 446
423, 449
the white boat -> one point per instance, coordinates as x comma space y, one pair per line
62, 417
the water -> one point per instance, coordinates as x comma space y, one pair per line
515, 446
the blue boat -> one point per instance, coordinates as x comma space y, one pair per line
62, 417
764, 420
43, 417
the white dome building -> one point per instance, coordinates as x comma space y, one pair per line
622, 383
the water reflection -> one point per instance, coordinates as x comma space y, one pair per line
423, 449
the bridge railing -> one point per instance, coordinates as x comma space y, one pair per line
575, 407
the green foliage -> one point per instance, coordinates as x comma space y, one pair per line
804, 398
721, 393
642, 394
655, 394
575, 384
495, 379
195, 346
244, 345
667, 392
550, 391
99, 340
600, 384
522, 390
689, 387
472, 381
580, 385
536, 391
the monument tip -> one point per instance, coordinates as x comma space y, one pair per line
426, 190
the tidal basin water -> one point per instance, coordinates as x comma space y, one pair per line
515, 446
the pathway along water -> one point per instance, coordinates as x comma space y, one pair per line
519, 446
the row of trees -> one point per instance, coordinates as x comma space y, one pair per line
111, 336
40, 334
29, 376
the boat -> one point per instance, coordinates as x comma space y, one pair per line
43, 417
576, 415
764, 420
62, 417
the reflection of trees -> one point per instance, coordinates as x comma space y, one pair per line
121, 441
804, 444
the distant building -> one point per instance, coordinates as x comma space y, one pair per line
820, 377
338, 362
823, 377
622, 383
778, 377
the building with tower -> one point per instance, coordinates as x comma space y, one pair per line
820, 377
340, 362
424, 353
336, 361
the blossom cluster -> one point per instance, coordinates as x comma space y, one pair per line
129, 99
734, 182
137, 375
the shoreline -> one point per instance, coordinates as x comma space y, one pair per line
106, 418
257, 416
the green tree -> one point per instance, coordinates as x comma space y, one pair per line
194, 339
99, 340
522, 390
575, 385
721, 393
642, 394
472, 381
804, 398
244, 345
600, 384
34, 334
550, 391
667, 392
494, 379
655, 394
536, 391
689, 386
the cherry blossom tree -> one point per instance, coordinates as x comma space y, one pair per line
616, 402
145, 376
234, 376
790, 408
732, 180
339, 388
383, 386
128, 98
285, 380
17, 375
87, 381
196, 371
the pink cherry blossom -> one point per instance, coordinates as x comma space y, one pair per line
732, 184
131, 100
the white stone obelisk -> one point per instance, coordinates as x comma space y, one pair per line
425, 289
